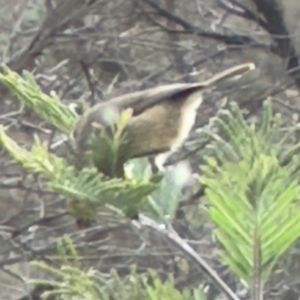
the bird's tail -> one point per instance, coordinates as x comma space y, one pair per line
238, 70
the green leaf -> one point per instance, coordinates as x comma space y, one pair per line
29, 94
251, 183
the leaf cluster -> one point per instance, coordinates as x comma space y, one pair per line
86, 187
251, 178
252, 186
70, 282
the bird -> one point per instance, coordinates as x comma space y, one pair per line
162, 116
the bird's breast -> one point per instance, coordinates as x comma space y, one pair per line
187, 119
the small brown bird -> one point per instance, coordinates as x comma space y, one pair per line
162, 117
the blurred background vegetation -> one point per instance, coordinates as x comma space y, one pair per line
88, 51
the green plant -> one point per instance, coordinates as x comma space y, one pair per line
251, 178
252, 186
70, 282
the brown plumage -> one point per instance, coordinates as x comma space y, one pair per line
162, 116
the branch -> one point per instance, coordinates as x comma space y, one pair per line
276, 27
173, 237
58, 19
243, 12
190, 28
86, 71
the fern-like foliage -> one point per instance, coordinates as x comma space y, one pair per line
85, 189
107, 148
88, 180
70, 282
252, 185
50, 108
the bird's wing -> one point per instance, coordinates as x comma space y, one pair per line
141, 100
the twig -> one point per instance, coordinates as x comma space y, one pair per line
190, 28
289, 107
244, 12
172, 236
86, 71
16, 28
